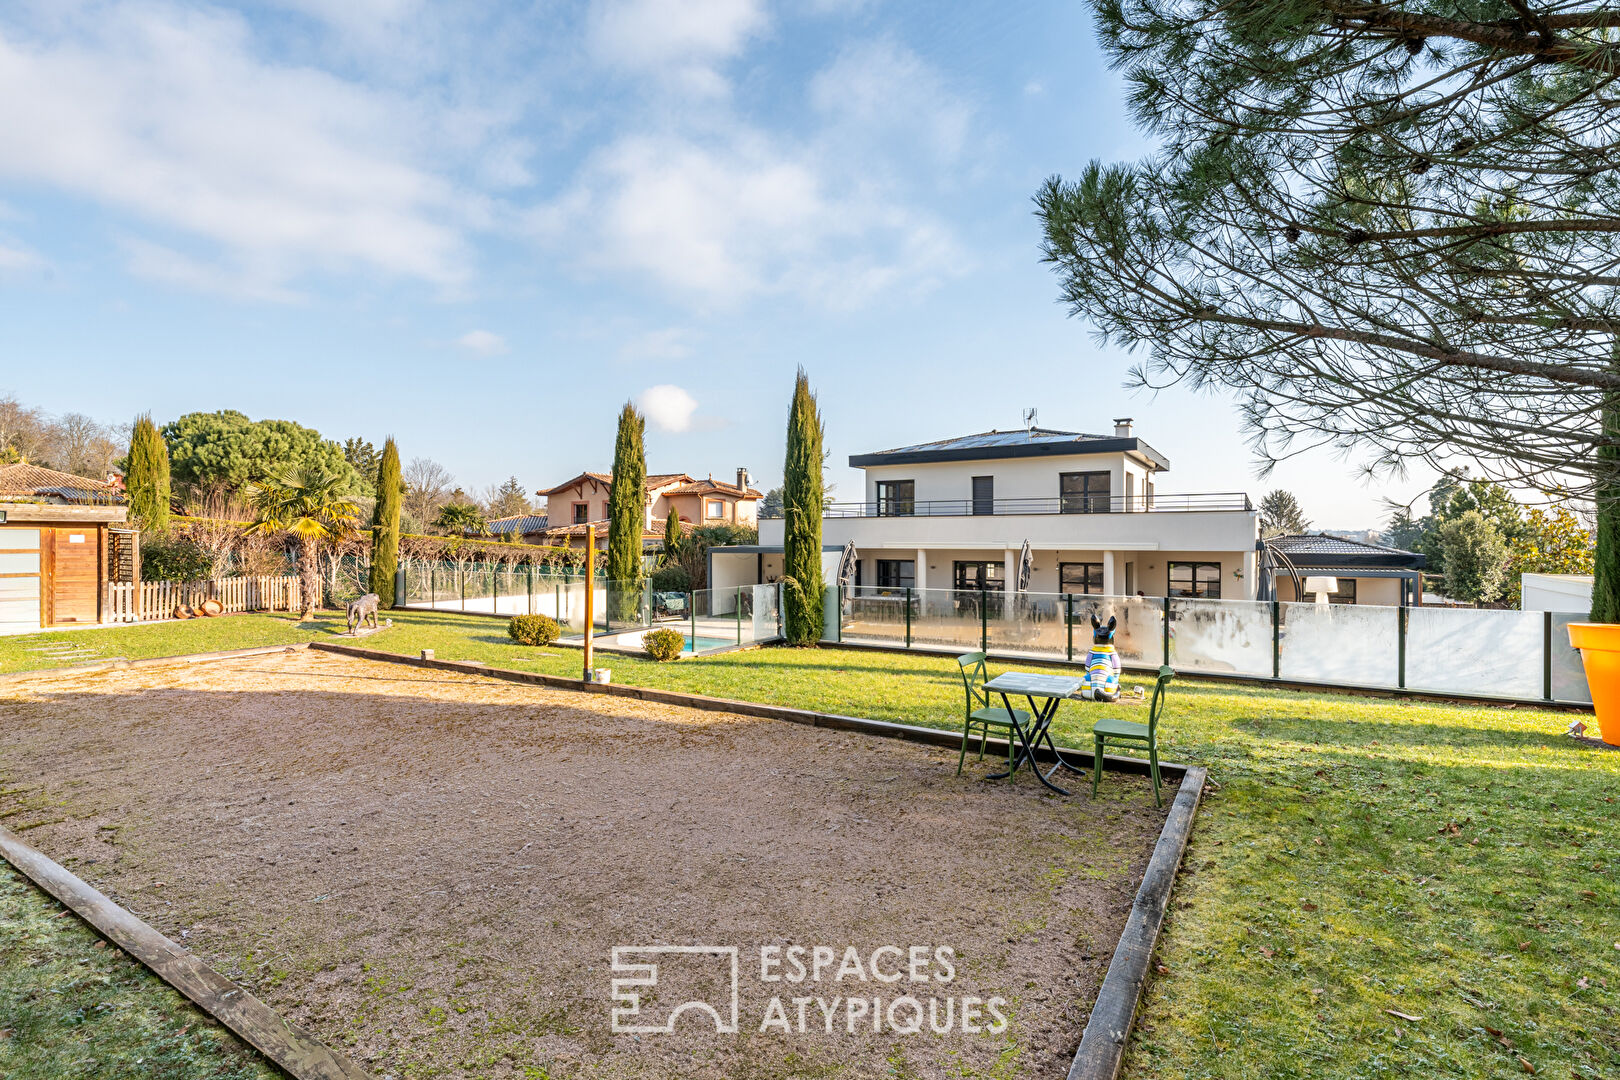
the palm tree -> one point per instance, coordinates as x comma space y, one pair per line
316, 508
461, 519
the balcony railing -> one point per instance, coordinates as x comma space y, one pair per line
1067, 504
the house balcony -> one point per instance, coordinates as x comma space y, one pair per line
1199, 502
1220, 521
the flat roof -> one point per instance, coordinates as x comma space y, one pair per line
1024, 442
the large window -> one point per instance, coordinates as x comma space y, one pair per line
1083, 492
984, 494
1080, 577
897, 498
979, 575
582, 513
1197, 579
896, 573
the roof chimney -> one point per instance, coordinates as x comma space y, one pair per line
742, 477
1122, 427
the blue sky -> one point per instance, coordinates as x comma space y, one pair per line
483, 227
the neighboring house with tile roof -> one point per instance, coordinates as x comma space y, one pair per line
583, 501
521, 528
24, 481
1360, 573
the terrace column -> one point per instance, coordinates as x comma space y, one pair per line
1251, 580
1110, 563
1009, 579
921, 573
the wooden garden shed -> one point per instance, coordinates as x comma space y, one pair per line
60, 543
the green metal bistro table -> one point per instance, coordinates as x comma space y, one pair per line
1051, 689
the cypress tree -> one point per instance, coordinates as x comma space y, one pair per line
627, 514
801, 513
385, 525
147, 477
672, 536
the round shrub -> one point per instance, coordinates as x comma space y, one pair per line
532, 629
663, 644
671, 579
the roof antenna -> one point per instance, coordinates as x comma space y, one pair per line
1029, 420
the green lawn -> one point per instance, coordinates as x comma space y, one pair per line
1361, 857
72, 1006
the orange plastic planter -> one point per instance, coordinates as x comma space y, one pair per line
1600, 655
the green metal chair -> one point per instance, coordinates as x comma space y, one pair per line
980, 715
1131, 733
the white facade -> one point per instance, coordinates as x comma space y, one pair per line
1555, 592
985, 502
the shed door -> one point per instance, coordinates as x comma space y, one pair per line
75, 570
19, 580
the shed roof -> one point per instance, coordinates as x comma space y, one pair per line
33, 481
1319, 550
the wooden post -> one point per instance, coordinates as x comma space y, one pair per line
590, 597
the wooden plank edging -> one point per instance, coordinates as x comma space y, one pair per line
1080, 759
295, 1050
1102, 1047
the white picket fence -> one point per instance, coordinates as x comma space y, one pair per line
152, 601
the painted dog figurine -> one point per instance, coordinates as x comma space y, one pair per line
363, 609
1102, 665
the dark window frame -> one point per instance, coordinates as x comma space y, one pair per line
1197, 593
987, 582
891, 504
1086, 575
1091, 498
891, 573
581, 513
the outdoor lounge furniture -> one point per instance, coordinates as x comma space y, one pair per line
980, 715
1132, 733
1052, 690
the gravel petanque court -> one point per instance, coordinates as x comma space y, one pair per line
432, 871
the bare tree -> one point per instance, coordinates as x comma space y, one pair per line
427, 488
83, 446
23, 431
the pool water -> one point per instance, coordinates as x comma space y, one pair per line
704, 644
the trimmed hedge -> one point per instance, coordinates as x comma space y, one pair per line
533, 629
663, 644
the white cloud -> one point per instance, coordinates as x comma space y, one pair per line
723, 222
484, 342
670, 408
883, 94
682, 41
15, 257
670, 343
169, 113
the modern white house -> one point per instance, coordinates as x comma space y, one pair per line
955, 514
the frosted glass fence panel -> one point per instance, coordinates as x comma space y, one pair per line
1341, 643
1568, 676
1469, 651
946, 618
1221, 635
875, 615
1138, 631
766, 616
1029, 624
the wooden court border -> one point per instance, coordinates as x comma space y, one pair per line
293, 1049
